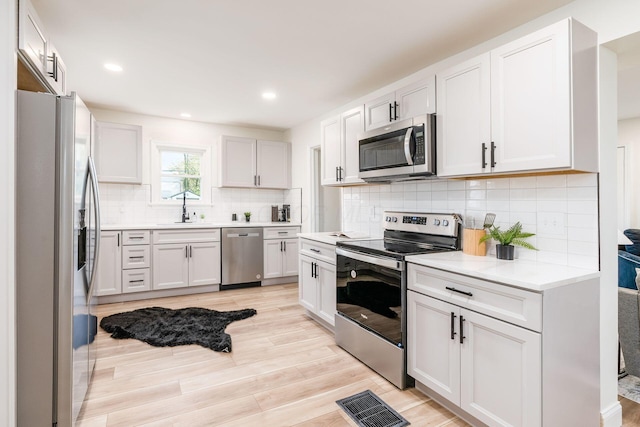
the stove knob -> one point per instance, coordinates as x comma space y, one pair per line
436, 222
445, 222
388, 219
395, 219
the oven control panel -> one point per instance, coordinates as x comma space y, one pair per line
428, 223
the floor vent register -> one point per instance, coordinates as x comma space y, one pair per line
368, 410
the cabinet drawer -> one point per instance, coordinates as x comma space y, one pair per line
135, 237
280, 232
517, 306
136, 257
319, 251
136, 280
186, 236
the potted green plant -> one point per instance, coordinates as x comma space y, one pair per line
247, 216
506, 239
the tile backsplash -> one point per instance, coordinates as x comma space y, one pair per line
562, 210
129, 204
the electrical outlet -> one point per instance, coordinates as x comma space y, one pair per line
552, 224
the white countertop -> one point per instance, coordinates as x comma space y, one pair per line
326, 237
530, 275
234, 224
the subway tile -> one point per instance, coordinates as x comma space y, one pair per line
558, 206
409, 186
455, 184
522, 205
423, 186
582, 220
582, 180
550, 244
582, 261
577, 234
551, 181
583, 248
501, 194
456, 195
582, 193
476, 184
478, 194
455, 206
397, 187
583, 207
523, 182
522, 194
551, 193
498, 183
439, 185
497, 205
552, 257
477, 205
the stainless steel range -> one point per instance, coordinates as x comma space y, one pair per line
372, 287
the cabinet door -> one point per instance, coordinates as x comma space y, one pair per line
531, 101
274, 164
330, 150
326, 277
352, 125
273, 254
32, 40
237, 162
501, 372
170, 266
464, 118
380, 111
118, 151
290, 258
417, 99
56, 71
109, 269
204, 263
433, 348
307, 284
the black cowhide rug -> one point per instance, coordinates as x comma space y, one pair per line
162, 327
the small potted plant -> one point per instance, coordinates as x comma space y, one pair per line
247, 216
506, 239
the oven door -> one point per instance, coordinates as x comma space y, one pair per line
369, 291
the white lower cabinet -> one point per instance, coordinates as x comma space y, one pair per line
280, 252
186, 258
490, 368
109, 269
317, 280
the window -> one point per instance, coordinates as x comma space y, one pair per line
180, 172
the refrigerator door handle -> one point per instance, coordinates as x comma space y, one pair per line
93, 176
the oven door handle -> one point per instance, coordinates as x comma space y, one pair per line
407, 146
391, 263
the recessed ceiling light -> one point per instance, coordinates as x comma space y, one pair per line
185, 115
113, 67
269, 95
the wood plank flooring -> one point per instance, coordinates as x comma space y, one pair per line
284, 370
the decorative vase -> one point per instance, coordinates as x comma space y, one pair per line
504, 251
248, 218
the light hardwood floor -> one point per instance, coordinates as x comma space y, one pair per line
284, 370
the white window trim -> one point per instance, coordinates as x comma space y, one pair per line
205, 171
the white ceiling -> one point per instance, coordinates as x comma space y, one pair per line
214, 58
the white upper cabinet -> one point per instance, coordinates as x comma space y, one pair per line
237, 162
530, 105
38, 51
339, 147
409, 101
118, 152
245, 162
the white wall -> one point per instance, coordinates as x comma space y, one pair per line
629, 137
7, 217
130, 204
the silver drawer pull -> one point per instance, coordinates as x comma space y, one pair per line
314, 250
449, 288
136, 237
136, 257
136, 281
283, 232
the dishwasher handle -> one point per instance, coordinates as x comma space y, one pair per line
243, 235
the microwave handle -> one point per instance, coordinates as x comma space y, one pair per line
407, 146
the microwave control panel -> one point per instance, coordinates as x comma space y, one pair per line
419, 155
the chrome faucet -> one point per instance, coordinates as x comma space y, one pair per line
185, 215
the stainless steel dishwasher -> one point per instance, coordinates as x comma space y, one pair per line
242, 257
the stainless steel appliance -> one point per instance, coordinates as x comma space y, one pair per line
372, 286
57, 241
242, 257
402, 150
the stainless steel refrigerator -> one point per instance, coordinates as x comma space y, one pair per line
57, 241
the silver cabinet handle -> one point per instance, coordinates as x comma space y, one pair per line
136, 281
136, 257
186, 251
285, 246
314, 250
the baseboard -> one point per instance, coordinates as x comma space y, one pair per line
137, 296
611, 416
279, 280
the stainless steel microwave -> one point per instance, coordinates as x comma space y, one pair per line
402, 150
